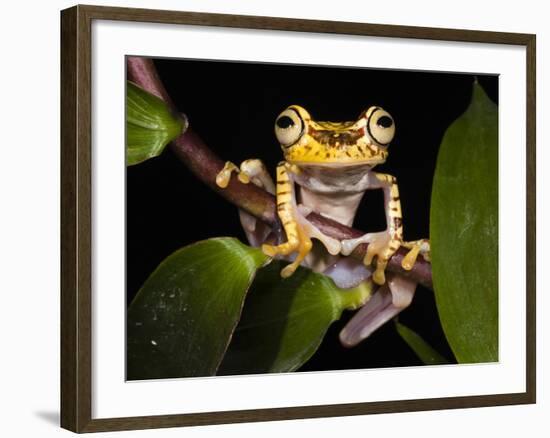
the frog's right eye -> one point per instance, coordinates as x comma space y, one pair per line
289, 127
380, 125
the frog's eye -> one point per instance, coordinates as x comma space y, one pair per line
289, 127
380, 126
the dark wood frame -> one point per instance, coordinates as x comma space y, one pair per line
76, 168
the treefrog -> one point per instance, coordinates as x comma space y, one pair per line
327, 168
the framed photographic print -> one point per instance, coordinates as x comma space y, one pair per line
267, 218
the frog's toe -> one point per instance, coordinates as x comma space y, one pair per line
283, 249
288, 270
252, 168
382, 247
382, 259
425, 249
409, 260
224, 175
415, 248
271, 250
244, 178
302, 246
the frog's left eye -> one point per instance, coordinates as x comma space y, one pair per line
380, 126
289, 127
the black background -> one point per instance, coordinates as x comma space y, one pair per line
233, 106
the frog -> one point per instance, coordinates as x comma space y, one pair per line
327, 168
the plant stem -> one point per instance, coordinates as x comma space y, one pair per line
205, 164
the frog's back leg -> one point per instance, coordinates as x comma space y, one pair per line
390, 299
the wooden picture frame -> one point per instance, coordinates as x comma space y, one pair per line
76, 218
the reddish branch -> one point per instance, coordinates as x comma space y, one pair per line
198, 157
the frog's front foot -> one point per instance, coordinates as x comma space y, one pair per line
415, 247
381, 244
224, 175
297, 242
251, 170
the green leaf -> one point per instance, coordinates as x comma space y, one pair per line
464, 232
285, 320
150, 125
425, 352
182, 319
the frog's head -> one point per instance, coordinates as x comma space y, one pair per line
362, 142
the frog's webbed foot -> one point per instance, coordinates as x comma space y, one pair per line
381, 244
224, 175
298, 241
384, 247
303, 244
250, 170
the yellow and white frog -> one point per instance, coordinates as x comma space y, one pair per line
327, 169
332, 164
